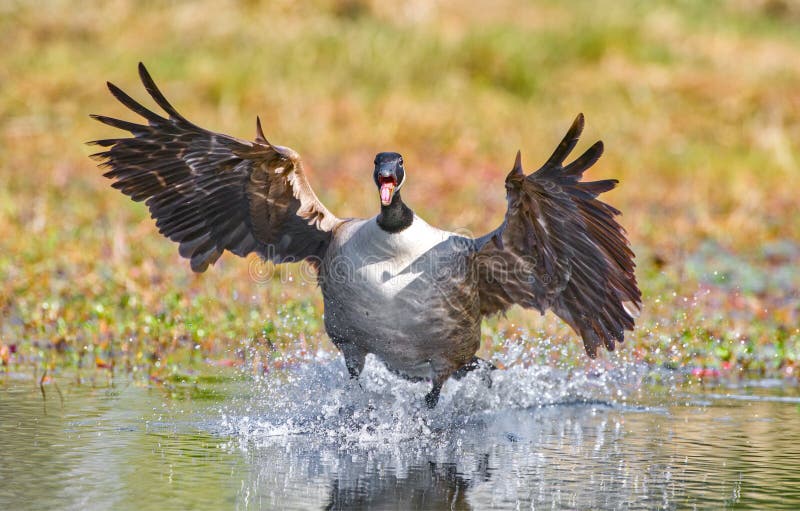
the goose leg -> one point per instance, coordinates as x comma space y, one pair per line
440, 375
432, 397
354, 357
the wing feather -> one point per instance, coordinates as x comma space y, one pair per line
561, 248
210, 192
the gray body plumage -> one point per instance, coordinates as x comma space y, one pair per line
405, 297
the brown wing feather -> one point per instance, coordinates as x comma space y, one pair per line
211, 192
560, 248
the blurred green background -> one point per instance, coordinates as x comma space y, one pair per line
698, 104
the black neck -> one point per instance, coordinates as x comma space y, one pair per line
396, 216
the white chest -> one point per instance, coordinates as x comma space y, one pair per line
379, 265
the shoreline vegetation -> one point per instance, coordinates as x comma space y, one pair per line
698, 105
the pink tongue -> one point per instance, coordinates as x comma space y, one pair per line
386, 190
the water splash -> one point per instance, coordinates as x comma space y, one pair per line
318, 399
319, 439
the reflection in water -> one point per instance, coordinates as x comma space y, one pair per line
307, 440
428, 486
538, 438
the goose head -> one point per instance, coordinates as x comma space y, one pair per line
389, 175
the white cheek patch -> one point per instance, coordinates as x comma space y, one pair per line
405, 175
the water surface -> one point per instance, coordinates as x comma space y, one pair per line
308, 439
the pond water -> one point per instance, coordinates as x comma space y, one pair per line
539, 438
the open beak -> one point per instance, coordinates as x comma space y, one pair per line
388, 184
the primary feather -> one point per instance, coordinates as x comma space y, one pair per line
561, 248
210, 192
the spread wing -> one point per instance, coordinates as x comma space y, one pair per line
560, 248
210, 192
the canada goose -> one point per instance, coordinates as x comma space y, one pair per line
411, 294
